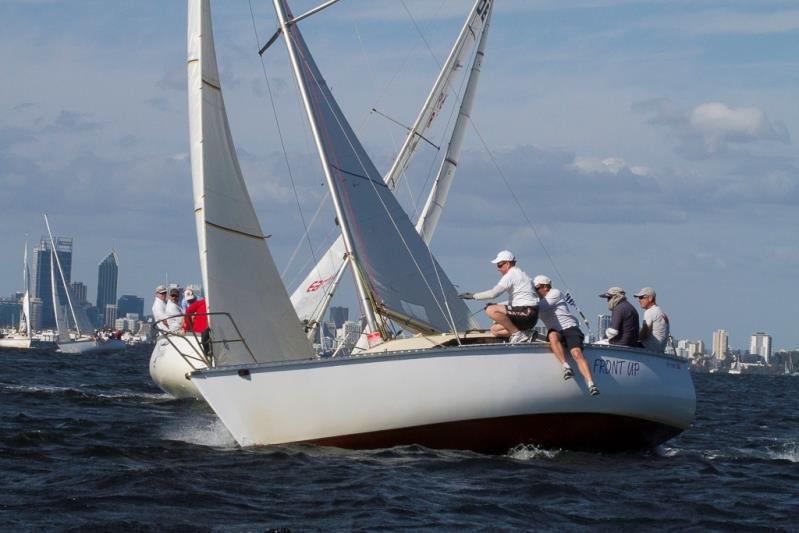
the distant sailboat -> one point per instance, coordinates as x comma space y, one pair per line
445, 387
81, 343
21, 338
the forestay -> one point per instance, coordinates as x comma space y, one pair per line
239, 274
405, 280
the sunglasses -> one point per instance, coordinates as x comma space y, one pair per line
501, 264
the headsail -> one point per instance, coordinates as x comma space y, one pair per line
403, 278
60, 324
310, 298
239, 275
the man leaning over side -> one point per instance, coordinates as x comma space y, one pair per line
562, 329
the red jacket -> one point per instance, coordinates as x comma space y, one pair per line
198, 321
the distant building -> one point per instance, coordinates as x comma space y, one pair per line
42, 287
78, 289
760, 344
602, 323
720, 344
10, 310
107, 274
110, 315
36, 314
350, 331
339, 315
129, 303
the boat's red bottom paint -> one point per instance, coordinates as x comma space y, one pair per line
570, 431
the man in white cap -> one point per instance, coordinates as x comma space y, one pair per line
159, 308
517, 318
655, 328
563, 329
623, 330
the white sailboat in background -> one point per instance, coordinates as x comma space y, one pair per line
81, 342
443, 388
175, 357
21, 338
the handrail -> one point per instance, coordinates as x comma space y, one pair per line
203, 348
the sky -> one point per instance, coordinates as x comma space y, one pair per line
614, 143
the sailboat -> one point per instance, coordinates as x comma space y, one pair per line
81, 343
446, 387
21, 338
174, 357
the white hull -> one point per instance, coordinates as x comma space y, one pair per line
486, 398
19, 343
91, 346
169, 366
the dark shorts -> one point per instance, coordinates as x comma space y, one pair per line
571, 337
523, 316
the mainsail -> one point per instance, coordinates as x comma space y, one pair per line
25, 316
239, 274
311, 297
404, 281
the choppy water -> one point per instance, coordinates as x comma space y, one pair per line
91, 443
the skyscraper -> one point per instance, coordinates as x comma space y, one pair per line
760, 344
79, 292
720, 343
42, 287
339, 315
602, 323
107, 273
129, 303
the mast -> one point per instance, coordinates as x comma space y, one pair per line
363, 290
431, 212
61, 273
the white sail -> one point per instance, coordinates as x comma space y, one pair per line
60, 324
428, 220
311, 297
25, 315
239, 275
404, 281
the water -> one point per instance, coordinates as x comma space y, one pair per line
91, 443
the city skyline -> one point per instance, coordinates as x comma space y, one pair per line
650, 144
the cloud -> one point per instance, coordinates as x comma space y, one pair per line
73, 121
710, 128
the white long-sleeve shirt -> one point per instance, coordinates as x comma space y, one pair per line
517, 284
554, 313
159, 313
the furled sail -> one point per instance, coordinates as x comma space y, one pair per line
428, 220
239, 274
311, 297
404, 280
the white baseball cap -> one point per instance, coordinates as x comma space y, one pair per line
646, 291
541, 280
189, 294
504, 255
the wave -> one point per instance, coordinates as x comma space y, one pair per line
206, 431
527, 452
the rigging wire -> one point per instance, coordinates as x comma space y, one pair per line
526, 218
280, 134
